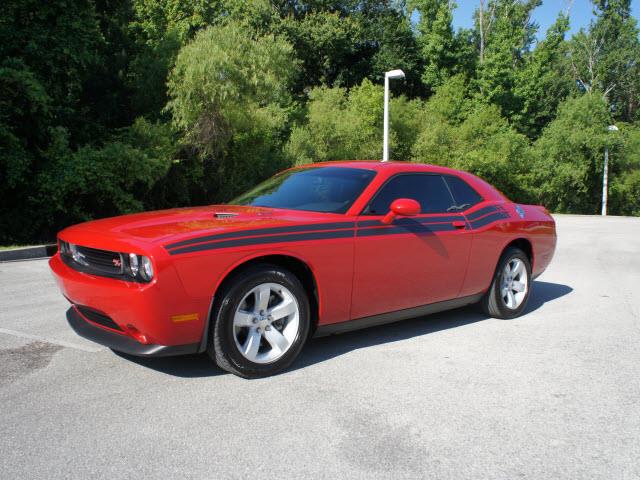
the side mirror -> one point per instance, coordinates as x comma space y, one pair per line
402, 207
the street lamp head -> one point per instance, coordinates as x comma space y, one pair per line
613, 128
393, 74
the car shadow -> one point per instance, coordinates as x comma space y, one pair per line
322, 349
185, 366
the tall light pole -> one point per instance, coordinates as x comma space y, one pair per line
605, 173
393, 74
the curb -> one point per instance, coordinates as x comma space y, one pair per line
28, 253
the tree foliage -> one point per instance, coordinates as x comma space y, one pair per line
568, 157
114, 107
229, 93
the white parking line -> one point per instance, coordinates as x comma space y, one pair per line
62, 343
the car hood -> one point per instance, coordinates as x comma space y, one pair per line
174, 225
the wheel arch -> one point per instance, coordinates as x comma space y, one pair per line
299, 267
523, 244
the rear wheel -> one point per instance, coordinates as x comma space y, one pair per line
260, 323
509, 292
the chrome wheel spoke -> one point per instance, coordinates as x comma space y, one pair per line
284, 309
518, 268
276, 339
511, 300
518, 286
507, 270
252, 345
263, 293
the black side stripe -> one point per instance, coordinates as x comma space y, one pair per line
489, 219
412, 221
263, 231
483, 211
295, 237
416, 228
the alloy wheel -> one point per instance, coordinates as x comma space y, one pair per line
266, 323
514, 283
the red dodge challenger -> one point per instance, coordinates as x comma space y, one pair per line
315, 250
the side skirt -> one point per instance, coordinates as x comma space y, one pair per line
391, 317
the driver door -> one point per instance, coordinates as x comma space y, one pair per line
413, 261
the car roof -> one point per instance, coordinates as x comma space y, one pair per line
488, 191
377, 165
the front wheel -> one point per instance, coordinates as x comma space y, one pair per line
260, 323
509, 292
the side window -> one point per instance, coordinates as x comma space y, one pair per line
430, 191
463, 194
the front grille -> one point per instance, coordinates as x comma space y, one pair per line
98, 317
93, 260
129, 267
103, 261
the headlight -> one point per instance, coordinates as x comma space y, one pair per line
77, 255
64, 248
147, 269
140, 267
134, 264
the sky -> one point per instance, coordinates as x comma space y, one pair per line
544, 15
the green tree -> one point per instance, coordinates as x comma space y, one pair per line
566, 175
47, 53
624, 168
327, 44
436, 40
102, 181
505, 33
342, 124
229, 93
161, 28
543, 82
606, 57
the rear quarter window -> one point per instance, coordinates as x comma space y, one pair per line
463, 194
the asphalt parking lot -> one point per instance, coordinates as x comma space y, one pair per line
553, 394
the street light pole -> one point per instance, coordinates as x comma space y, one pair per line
605, 173
393, 74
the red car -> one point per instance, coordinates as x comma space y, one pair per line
314, 250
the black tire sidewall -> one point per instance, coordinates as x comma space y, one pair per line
225, 349
497, 307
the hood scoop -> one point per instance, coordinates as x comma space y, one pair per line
225, 214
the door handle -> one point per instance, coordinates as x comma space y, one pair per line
460, 224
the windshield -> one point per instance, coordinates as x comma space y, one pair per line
320, 189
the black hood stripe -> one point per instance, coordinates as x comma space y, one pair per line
292, 237
263, 231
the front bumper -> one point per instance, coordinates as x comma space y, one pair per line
155, 310
123, 343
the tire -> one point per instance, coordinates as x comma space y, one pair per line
260, 322
503, 299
